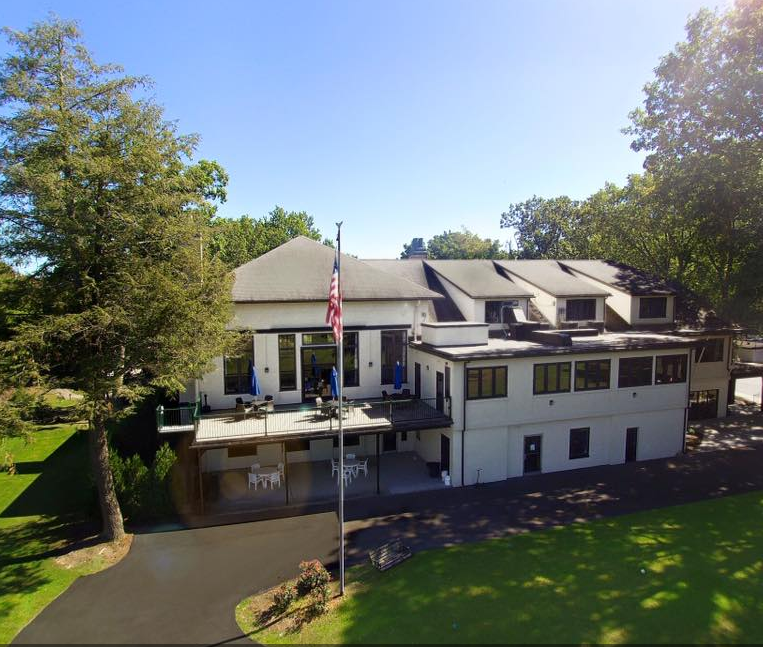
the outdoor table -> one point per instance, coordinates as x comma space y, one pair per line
264, 473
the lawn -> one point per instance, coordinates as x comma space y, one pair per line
684, 574
39, 508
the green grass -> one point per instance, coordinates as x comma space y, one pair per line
38, 507
685, 574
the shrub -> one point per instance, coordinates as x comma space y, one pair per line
143, 492
282, 598
312, 575
319, 600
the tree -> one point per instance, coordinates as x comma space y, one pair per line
544, 228
238, 241
702, 127
99, 198
459, 245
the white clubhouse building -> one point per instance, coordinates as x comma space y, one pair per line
508, 367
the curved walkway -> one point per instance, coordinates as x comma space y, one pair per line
183, 586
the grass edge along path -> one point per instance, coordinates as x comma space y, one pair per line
42, 510
685, 574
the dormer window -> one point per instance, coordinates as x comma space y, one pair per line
581, 310
653, 307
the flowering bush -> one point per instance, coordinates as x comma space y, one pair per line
282, 598
312, 575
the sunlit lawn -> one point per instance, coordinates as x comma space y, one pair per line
684, 574
37, 507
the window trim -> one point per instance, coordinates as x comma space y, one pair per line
545, 377
403, 334
607, 361
587, 444
494, 370
620, 361
577, 301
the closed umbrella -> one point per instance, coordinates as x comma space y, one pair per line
334, 383
398, 376
254, 382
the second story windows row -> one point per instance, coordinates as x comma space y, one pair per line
592, 375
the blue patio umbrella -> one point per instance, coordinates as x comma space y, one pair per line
254, 382
334, 383
398, 376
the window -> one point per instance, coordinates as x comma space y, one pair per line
287, 363
299, 445
552, 378
579, 442
670, 369
349, 441
634, 371
652, 307
592, 374
394, 348
318, 339
351, 363
703, 404
494, 312
486, 382
237, 451
709, 351
581, 310
236, 373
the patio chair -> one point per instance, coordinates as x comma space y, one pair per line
243, 407
254, 479
348, 473
363, 465
385, 395
255, 466
280, 468
275, 478
334, 467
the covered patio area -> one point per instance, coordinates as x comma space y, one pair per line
312, 482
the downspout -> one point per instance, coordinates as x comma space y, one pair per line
688, 395
463, 428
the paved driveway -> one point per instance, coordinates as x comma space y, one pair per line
183, 586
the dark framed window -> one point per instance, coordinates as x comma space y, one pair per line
349, 441
652, 307
236, 373
394, 348
494, 311
318, 339
486, 382
551, 378
580, 442
237, 451
634, 371
709, 351
350, 348
592, 374
298, 445
670, 369
580, 310
703, 404
287, 363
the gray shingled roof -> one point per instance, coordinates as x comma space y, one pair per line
300, 270
621, 276
552, 278
478, 278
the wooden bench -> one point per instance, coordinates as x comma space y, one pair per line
390, 554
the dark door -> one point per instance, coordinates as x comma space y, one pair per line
444, 453
532, 454
447, 383
317, 363
417, 380
390, 442
631, 444
440, 392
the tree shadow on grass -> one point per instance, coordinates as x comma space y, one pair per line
63, 486
684, 574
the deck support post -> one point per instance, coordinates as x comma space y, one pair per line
378, 465
286, 471
201, 482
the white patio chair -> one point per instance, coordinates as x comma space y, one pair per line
363, 465
254, 467
334, 467
275, 478
254, 479
280, 468
348, 473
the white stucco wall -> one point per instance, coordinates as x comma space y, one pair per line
466, 305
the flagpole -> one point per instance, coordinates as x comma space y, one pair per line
340, 356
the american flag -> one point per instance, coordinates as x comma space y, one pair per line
334, 311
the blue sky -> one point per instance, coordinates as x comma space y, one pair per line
401, 119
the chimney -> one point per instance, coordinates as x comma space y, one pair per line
418, 249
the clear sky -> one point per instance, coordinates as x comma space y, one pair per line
401, 119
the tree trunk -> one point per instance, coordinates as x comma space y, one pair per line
111, 515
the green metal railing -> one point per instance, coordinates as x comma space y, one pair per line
185, 416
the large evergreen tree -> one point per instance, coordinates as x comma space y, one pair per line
99, 201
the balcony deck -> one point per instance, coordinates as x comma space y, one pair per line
227, 427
